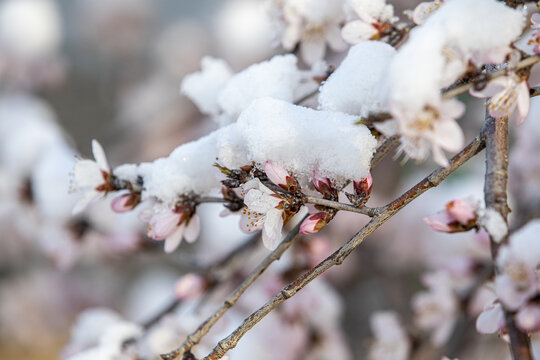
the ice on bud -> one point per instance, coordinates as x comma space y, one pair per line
314, 223
190, 286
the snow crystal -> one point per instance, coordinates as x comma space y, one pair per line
302, 139
203, 87
494, 224
187, 169
277, 78
358, 86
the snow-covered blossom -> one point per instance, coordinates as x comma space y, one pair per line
171, 225
375, 18
459, 215
313, 24
433, 129
491, 319
435, 310
506, 93
280, 177
190, 286
94, 175
391, 340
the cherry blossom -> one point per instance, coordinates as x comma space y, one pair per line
171, 225
313, 24
506, 93
93, 174
374, 20
491, 319
459, 215
528, 318
424, 10
432, 129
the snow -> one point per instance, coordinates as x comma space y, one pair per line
187, 169
277, 78
465, 26
203, 87
359, 86
494, 224
300, 139
128, 172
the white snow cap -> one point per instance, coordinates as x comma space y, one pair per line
301, 139
187, 169
203, 87
468, 28
277, 78
359, 85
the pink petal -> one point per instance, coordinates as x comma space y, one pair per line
119, 203
310, 224
190, 286
276, 173
358, 31
528, 318
173, 240
439, 221
490, 320
99, 156
461, 210
163, 224
193, 228
320, 182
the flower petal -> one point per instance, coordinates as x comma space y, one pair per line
490, 320
193, 228
87, 174
494, 87
271, 234
448, 135
83, 203
276, 173
173, 240
523, 102
99, 156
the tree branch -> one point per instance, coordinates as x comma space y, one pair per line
196, 336
340, 206
337, 258
495, 197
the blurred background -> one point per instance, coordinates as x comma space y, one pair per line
76, 70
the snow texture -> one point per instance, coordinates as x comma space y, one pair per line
359, 85
468, 27
203, 87
300, 139
494, 224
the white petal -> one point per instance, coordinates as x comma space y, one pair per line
523, 101
273, 224
489, 321
439, 157
259, 201
87, 174
82, 204
494, 87
423, 11
313, 49
334, 39
357, 31
193, 228
172, 242
99, 155
448, 135
250, 221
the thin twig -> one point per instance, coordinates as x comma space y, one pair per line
341, 206
534, 91
196, 336
337, 258
495, 197
211, 273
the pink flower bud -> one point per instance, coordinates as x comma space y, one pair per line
313, 223
461, 210
123, 203
190, 286
440, 222
322, 184
363, 187
280, 176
